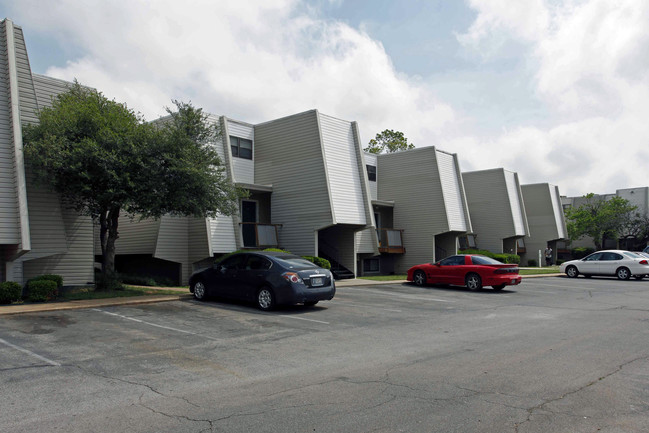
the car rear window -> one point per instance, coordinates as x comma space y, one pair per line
484, 260
295, 263
632, 255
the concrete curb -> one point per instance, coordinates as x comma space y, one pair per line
183, 294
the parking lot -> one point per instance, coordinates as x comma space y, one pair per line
553, 354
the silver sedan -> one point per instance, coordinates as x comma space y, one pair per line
620, 263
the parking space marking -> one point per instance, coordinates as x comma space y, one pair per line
156, 325
401, 295
352, 304
29, 352
302, 318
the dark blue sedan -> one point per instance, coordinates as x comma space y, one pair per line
265, 278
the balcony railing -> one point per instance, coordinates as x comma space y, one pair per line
391, 241
256, 235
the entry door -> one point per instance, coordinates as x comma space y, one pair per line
249, 215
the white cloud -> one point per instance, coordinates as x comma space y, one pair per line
257, 61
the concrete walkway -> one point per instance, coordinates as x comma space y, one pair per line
183, 293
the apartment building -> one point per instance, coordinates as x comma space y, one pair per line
497, 209
38, 233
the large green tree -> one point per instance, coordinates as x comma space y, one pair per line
599, 218
388, 141
104, 159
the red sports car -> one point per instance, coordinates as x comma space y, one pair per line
471, 270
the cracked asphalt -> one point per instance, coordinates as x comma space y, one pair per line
551, 355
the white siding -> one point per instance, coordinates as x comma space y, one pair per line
557, 211
370, 159
244, 169
222, 234
47, 87
515, 202
135, 236
343, 171
172, 243
453, 199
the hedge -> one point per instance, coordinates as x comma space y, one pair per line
41, 290
10, 291
505, 258
50, 277
319, 261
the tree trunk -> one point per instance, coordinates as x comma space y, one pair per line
108, 235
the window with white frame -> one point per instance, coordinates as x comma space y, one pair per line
241, 147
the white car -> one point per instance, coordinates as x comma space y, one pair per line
622, 264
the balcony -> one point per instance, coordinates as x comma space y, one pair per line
256, 235
391, 241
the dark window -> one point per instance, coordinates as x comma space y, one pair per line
371, 172
234, 262
593, 257
452, 261
371, 265
241, 148
611, 256
257, 263
484, 260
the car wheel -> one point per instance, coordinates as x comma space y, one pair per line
419, 278
473, 281
572, 272
638, 277
310, 303
623, 274
498, 287
199, 291
265, 299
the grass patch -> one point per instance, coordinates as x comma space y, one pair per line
539, 271
83, 293
383, 277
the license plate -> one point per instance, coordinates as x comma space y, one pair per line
317, 281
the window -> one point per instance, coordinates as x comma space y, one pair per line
241, 148
371, 172
452, 261
371, 265
258, 263
484, 260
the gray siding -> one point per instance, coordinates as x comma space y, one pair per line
513, 191
289, 156
172, 243
135, 236
199, 240
490, 207
47, 87
343, 171
222, 234
370, 159
412, 180
451, 182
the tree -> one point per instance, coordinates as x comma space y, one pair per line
599, 218
103, 159
388, 141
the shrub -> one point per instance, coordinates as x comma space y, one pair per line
41, 290
107, 282
277, 250
560, 262
50, 277
145, 280
319, 261
532, 263
581, 252
10, 291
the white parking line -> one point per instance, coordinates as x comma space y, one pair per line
156, 325
302, 318
400, 295
29, 352
352, 304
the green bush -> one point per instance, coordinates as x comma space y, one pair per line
50, 277
145, 280
107, 282
560, 262
41, 290
323, 263
505, 258
10, 291
277, 250
532, 263
581, 252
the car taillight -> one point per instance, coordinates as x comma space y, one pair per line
292, 277
644, 262
506, 271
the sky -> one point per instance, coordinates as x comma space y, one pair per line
556, 90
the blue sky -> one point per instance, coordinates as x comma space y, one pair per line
556, 90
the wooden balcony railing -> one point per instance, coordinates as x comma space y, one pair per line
391, 241
256, 235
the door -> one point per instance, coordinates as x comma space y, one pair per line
609, 262
227, 276
253, 276
249, 215
590, 265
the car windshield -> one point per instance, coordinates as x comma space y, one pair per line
295, 262
484, 260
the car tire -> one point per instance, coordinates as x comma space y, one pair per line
498, 287
623, 273
199, 290
638, 277
419, 278
473, 281
265, 299
310, 303
572, 272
